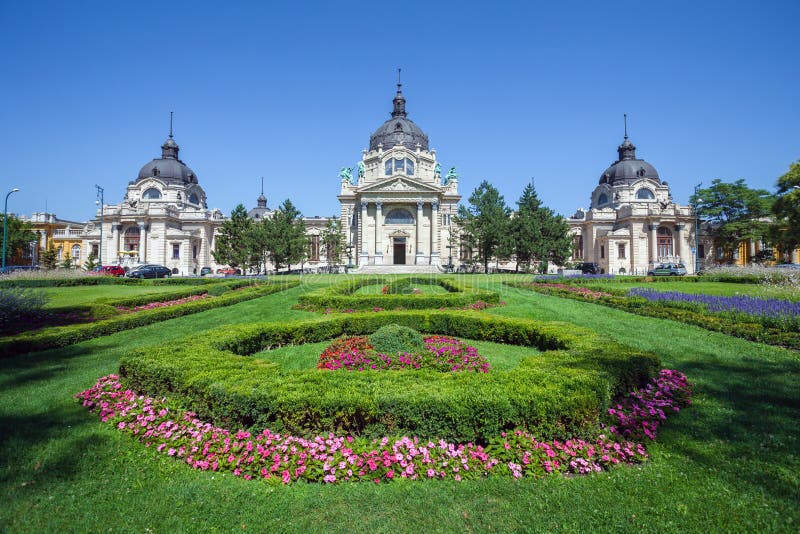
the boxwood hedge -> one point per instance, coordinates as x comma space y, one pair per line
62, 336
558, 393
342, 296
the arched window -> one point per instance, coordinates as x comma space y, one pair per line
194, 199
409, 167
132, 238
399, 165
151, 194
399, 216
602, 200
387, 167
76, 252
645, 194
664, 242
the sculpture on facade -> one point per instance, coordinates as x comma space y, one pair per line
437, 170
346, 175
360, 170
451, 175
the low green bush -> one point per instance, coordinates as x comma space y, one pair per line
394, 338
340, 296
62, 336
560, 393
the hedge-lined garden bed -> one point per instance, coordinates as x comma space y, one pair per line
341, 296
62, 336
560, 393
105, 281
734, 324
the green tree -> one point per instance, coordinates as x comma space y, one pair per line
486, 220
91, 261
785, 231
19, 235
333, 240
537, 234
233, 245
737, 212
66, 263
49, 258
286, 236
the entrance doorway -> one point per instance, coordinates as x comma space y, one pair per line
399, 251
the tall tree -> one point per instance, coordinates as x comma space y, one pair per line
537, 234
19, 236
49, 257
737, 212
66, 263
232, 245
286, 239
485, 220
333, 240
91, 261
785, 231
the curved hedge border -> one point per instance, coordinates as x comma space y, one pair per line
62, 336
751, 330
341, 296
559, 393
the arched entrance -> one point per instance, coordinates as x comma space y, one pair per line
398, 250
664, 243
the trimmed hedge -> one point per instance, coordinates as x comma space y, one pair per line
341, 296
62, 336
559, 393
109, 281
683, 312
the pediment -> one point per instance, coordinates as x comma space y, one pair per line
398, 184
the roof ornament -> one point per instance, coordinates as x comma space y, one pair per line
399, 100
625, 119
170, 125
261, 201
626, 150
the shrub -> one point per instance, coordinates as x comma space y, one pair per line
19, 305
394, 339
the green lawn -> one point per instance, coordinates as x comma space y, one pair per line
377, 289
728, 463
67, 296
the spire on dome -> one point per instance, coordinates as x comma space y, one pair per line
626, 150
169, 150
262, 200
399, 100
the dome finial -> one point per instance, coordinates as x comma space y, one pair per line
261, 201
625, 119
399, 100
170, 125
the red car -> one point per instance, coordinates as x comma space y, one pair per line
229, 270
109, 270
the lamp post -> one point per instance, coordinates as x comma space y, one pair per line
449, 258
99, 202
5, 225
696, 230
349, 249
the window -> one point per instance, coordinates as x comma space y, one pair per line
151, 194
465, 250
409, 167
176, 251
621, 250
131, 241
60, 253
701, 251
314, 252
602, 251
399, 216
602, 200
645, 194
96, 250
76, 252
399, 165
577, 247
387, 167
194, 252
194, 199
664, 242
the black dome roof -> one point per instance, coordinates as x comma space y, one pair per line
168, 167
399, 130
627, 169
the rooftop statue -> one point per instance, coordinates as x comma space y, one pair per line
451, 175
360, 170
346, 175
437, 170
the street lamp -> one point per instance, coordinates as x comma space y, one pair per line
449, 258
696, 230
99, 202
5, 225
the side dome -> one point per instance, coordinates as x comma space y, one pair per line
168, 167
399, 130
628, 169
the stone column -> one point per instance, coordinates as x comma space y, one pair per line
419, 257
143, 243
378, 234
752, 250
653, 243
677, 246
113, 249
434, 233
362, 222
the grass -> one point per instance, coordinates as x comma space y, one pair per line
709, 288
300, 357
729, 463
377, 289
67, 296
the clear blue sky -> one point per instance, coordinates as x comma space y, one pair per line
292, 90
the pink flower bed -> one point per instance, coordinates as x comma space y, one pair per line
163, 304
330, 459
585, 291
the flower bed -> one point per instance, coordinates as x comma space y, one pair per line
162, 304
580, 290
443, 353
280, 458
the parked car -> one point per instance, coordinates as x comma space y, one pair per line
229, 270
588, 268
8, 269
149, 271
667, 269
206, 270
108, 270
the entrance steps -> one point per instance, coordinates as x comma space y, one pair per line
397, 269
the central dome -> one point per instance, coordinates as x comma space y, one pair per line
399, 130
628, 169
168, 167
